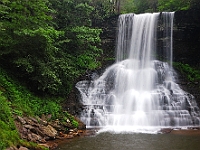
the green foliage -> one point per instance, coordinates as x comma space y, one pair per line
71, 119
48, 59
87, 40
173, 5
102, 9
31, 145
16, 100
128, 6
23, 102
72, 13
19, 19
142, 6
192, 74
9, 134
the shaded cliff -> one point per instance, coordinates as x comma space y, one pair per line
187, 37
186, 46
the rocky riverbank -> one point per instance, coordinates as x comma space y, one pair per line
47, 134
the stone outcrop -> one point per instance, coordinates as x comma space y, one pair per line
44, 132
187, 37
186, 46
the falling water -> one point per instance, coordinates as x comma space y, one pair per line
139, 93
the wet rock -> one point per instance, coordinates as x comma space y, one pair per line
81, 125
166, 130
49, 131
34, 137
23, 148
12, 148
57, 125
43, 132
50, 145
27, 126
69, 137
21, 120
29, 121
45, 145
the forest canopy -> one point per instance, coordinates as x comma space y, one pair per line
49, 43
141, 6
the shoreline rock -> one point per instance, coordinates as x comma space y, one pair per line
46, 133
50, 134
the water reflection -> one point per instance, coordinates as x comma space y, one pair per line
108, 141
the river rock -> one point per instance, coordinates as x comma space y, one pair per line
23, 148
43, 131
12, 148
49, 131
50, 145
34, 137
27, 126
57, 125
21, 120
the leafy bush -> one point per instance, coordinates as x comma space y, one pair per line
71, 119
16, 100
192, 74
173, 5
24, 102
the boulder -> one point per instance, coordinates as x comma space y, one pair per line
21, 120
23, 148
12, 148
49, 131
34, 137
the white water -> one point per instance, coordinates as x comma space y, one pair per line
139, 93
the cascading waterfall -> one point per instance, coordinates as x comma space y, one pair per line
139, 92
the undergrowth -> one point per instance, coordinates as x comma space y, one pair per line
8, 132
192, 74
17, 100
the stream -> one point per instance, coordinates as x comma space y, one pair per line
186, 140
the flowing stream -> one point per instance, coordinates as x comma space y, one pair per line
139, 93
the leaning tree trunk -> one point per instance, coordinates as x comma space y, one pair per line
118, 6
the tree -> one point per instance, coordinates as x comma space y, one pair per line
28, 37
128, 6
23, 19
173, 5
141, 6
49, 43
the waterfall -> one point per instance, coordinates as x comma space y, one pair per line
139, 92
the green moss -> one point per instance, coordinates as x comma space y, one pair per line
32, 145
192, 74
71, 119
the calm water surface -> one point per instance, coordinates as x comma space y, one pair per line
108, 141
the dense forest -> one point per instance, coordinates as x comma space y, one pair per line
45, 45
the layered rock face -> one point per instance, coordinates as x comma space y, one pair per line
186, 46
187, 37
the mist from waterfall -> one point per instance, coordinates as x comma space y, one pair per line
138, 92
